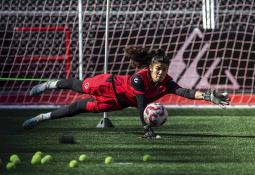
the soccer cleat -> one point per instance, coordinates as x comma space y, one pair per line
40, 88
30, 123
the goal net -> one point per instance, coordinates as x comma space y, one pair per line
211, 43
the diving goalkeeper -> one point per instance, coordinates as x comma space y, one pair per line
115, 92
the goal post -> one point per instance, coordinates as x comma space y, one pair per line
210, 43
105, 121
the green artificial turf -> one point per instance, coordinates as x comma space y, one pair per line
193, 142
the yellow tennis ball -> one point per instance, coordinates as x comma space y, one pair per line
83, 157
46, 159
10, 166
36, 159
73, 163
15, 159
146, 157
108, 160
39, 153
158, 137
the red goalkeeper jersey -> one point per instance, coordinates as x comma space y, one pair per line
117, 92
127, 91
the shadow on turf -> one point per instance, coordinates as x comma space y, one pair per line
206, 135
135, 131
78, 129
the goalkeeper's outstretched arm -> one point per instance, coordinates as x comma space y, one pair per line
209, 95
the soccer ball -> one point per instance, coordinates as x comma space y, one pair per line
155, 114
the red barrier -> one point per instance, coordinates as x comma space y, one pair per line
45, 57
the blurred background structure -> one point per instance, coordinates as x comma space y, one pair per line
211, 43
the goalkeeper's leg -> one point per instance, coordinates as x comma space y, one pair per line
66, 111
73, 84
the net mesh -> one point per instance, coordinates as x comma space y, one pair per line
39, 40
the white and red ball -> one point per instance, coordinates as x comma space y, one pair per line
155, 114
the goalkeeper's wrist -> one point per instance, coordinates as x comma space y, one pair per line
207, 95
146, 126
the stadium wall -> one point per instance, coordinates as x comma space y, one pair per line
39, 41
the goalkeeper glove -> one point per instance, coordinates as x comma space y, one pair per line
216, 97
148, 132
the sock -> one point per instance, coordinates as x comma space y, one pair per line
45, 116
52, 84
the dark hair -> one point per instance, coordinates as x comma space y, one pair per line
142, 57
159, 56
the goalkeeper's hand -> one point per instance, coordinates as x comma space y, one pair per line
148, 132
216, 97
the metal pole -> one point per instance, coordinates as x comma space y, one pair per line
106, 122
80, 39
106, 42
209, 14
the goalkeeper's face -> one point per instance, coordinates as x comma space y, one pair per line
158, 72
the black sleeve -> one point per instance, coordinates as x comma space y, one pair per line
187, 93
141, 104
174, 88
137, 84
